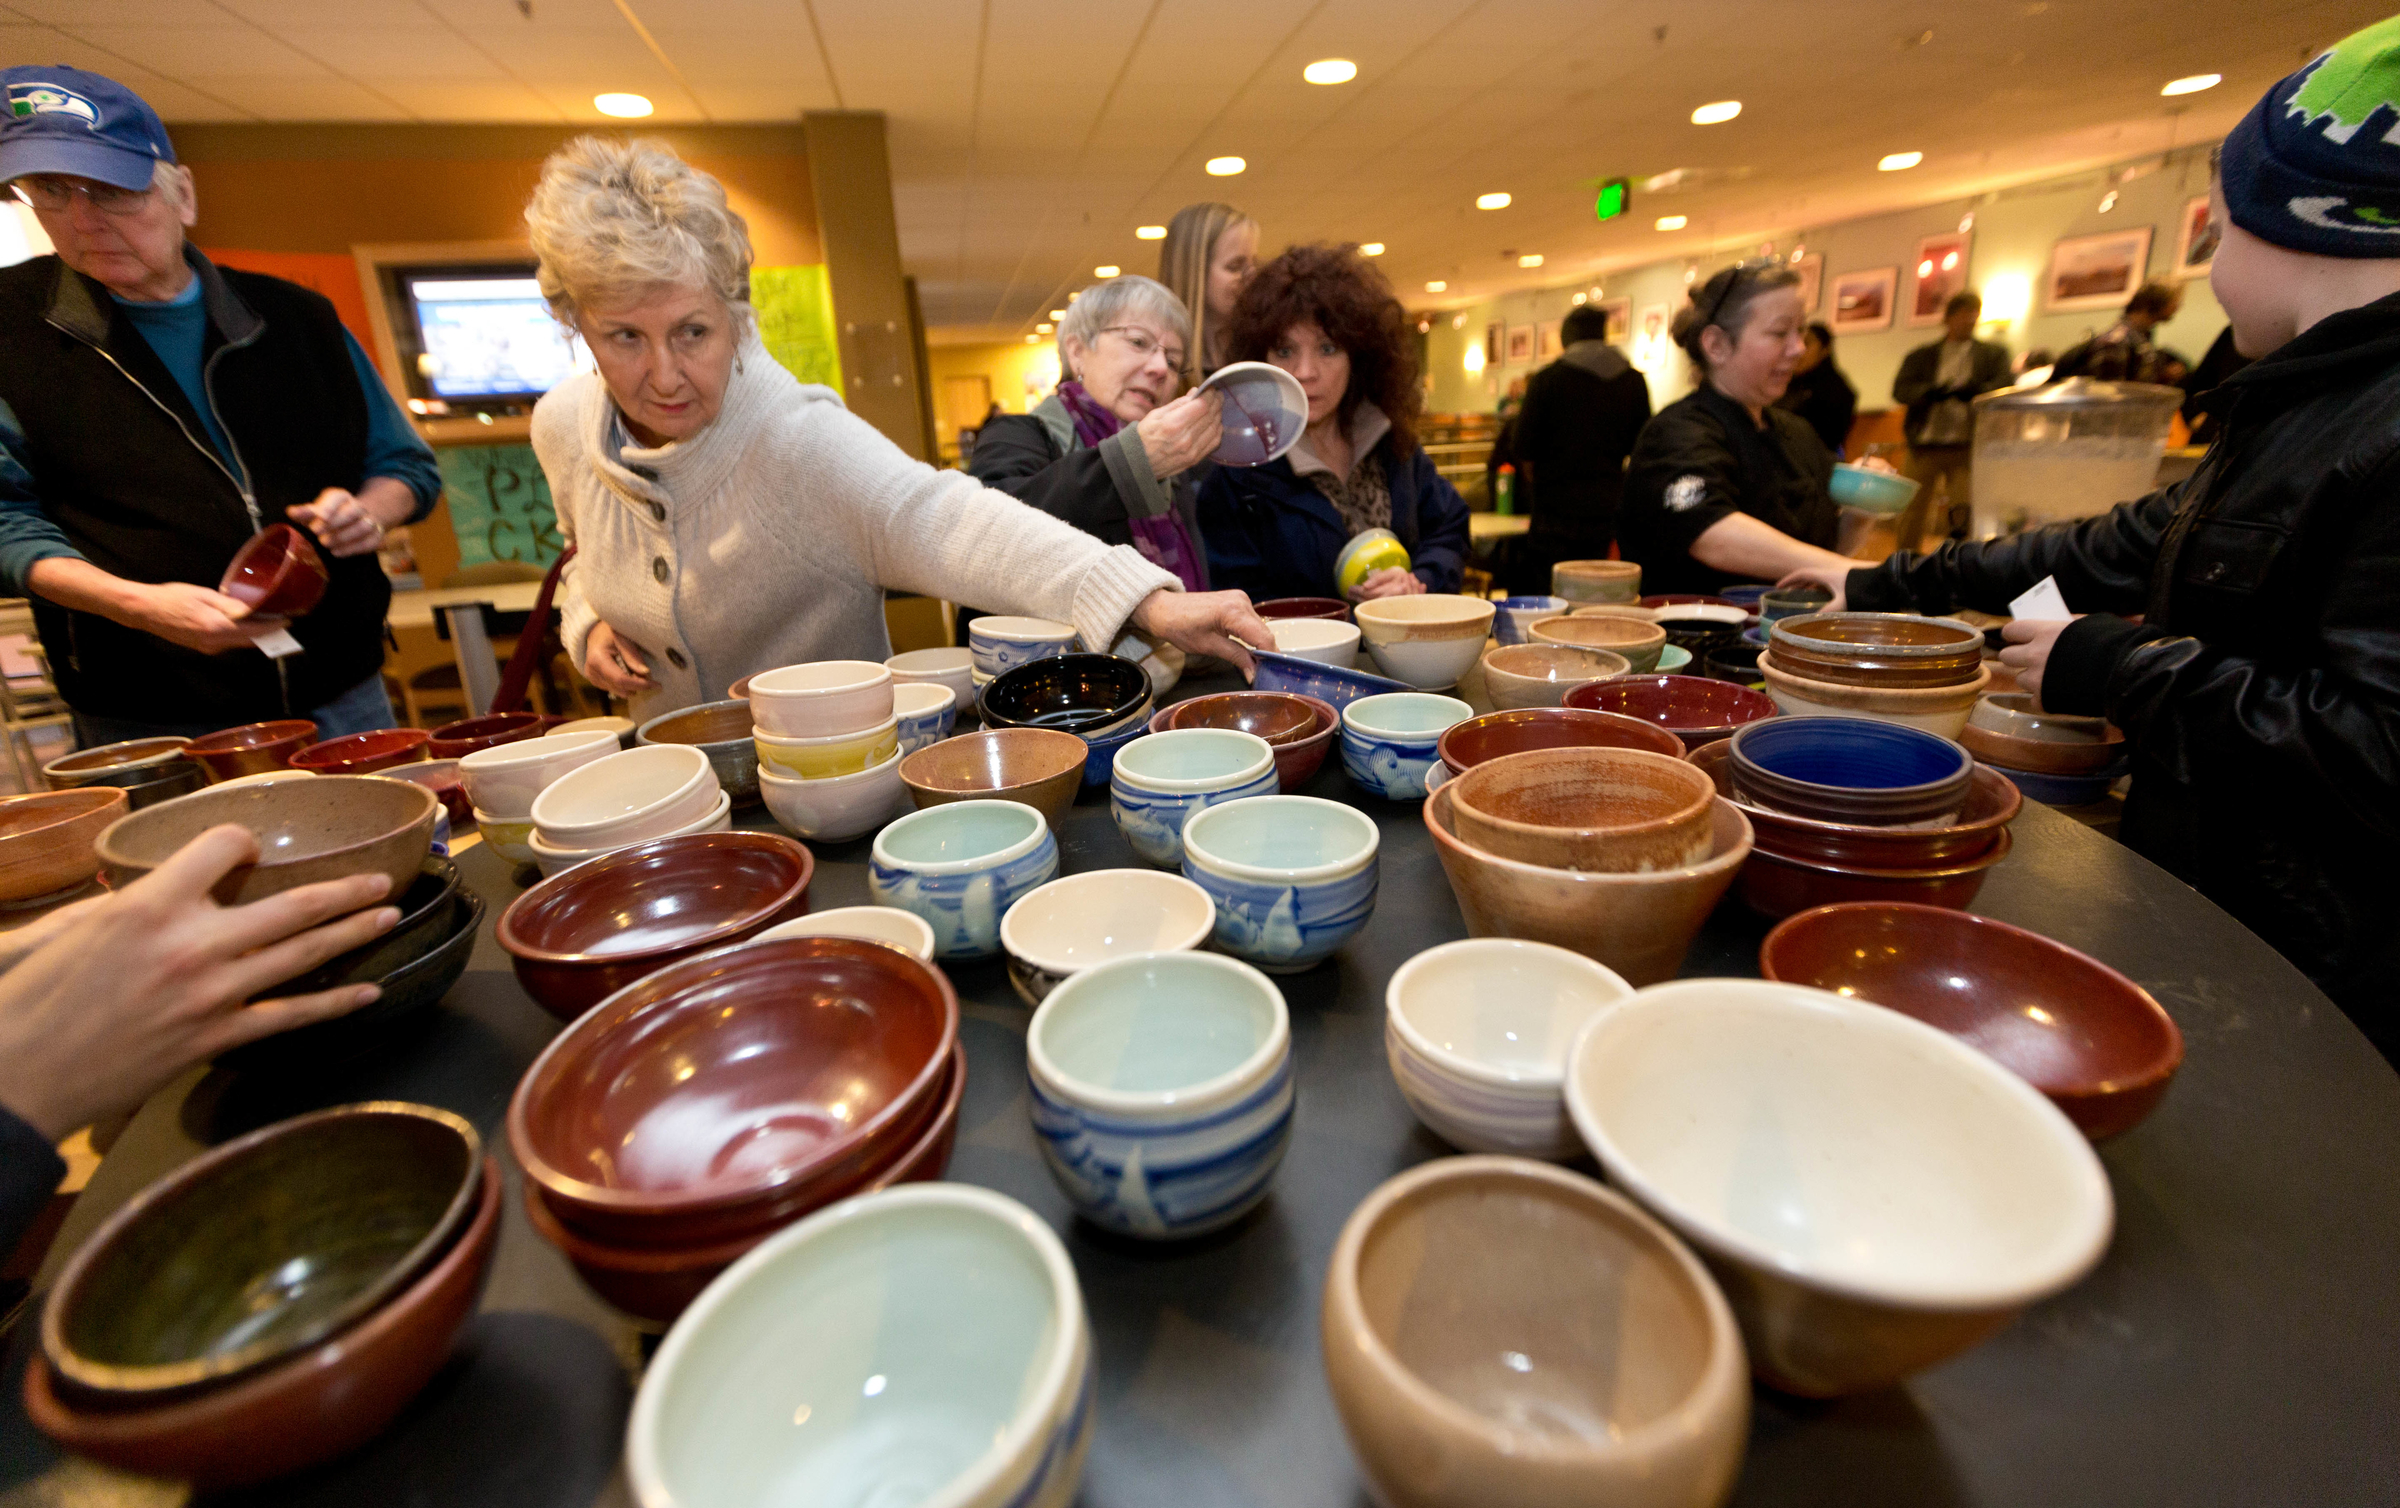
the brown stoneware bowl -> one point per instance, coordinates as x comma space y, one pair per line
579, 937
1640, 925
2069, 1025
277, 574
1497, 1331
252, 748
725, 1093
1596, 580
1993, 802
1636, 642
322, 828
1775, 884
1602, 811
1333, 609
327, 1401
135, 761
2006, 730
459, 739
1299, 751
46, 840
364, 753
1695, 709
1039, 767
721, 730
1885, 650
254, 1252
1496, 735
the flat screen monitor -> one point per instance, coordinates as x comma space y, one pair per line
486, 335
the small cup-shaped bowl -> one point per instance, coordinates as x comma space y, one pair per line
1597, 580
1496, 735
925, 711
1085, 694
1599, 811
1001, 644
1875, 1195
960, 866
904, 930
1693, 708
1851, 769
276, 574
459, 739
129, 763
1292, 877
1389, 742
251, 748
822, 699
825, 758
1477, 1034
46, 840
366, 753
1160, 779
626, 797
838, 808
1162, 1091
326, 827
1428, 640
932, 1334
1074, 923
1514, 617
951, 667
1541, 675
1328, 641
1638, 642
1500, 1332
723, 731
581, 937
1331, 609
2085, 1035
503, 779
1037, 766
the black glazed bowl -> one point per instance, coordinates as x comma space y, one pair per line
412, 985
1084, 694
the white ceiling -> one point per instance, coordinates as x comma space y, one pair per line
1030, 137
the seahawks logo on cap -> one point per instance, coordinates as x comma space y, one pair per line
2349, 84
2334, 212
49, 99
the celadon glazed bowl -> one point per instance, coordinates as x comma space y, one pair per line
1160, 779
960, 866
1389, 742
1293, 877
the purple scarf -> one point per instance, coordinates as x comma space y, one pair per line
1164, 541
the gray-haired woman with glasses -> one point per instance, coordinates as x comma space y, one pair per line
1723, 486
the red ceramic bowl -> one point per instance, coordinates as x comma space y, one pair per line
364, 753
579, 937
459, 739
1993, 802
659, 1283
1470, 743
319, 1405
1694, 708
440, 776
734, 1088
252, 748
1777, 884
1331, 608
278, 574
1300, 751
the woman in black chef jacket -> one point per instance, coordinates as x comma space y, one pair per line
1723, 486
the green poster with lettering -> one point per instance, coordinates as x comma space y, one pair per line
795, 320
499, 504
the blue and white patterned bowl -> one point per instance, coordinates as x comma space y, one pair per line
1001, 644
1390, 742
1162, 1091
1293, 877
1102, 760
1160, 779
1282, 672
1517, 614
926, 711
960, 866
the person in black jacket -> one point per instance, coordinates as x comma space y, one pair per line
1581, 416
1939, 382
1819, 392
2243, 626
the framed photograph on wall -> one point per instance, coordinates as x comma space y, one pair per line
1812, 280
1650, 339
1620, 318
2196, 244
1550, 345
1863, 300
1493, 336
2099, 271
1521, 344
1939, 271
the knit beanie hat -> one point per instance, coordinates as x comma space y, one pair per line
2315, 165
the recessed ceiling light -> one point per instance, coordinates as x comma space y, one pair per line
1530, 259
2194, 84
1583, 298
1491, 201
1672, 222
623, 106
1330, 71
1723, 110
1898, 161
1106, 272
1033, 340
1225, 167
1149, 233
1370, 248
1058, 314
1043, 328
1437, 286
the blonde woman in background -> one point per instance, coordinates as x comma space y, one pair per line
1209, 253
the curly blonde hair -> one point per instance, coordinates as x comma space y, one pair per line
612, 217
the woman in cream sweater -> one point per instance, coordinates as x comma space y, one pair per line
728, 518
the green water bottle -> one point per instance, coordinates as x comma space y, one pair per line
1504, 489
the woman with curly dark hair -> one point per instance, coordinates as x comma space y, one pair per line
1325, 315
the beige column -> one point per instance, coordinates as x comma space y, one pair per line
883, 371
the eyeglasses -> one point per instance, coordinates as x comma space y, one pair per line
1716, 306
54, 195
1144, 344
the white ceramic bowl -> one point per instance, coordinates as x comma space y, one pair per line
555, 860
1160, 779
824, 758
625, 797
1071, 924
1875, 1195
884, 924
1477, 1034
924, 712
504, 780
923, 1345
619, 728
839, 808
1005, 643
951, 667
272, 777
822, 699
1429, 640
510, 838
1318, 639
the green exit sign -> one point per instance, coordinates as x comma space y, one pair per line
1615, 195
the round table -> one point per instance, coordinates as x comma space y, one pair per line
2240, 1343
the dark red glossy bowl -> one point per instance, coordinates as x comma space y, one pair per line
2085, 1035
579, 937
1775, 884
1696, 709
277, 574
1333, 609
459, 739
252, 748
1521, 729
1301, 751
364, 753
1993, 802
734, 1089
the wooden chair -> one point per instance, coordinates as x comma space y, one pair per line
29, 700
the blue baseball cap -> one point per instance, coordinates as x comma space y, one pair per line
83, 125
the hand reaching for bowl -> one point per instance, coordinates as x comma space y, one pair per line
615, 663
1180, 434
196, 617
1391, 581
1206, 623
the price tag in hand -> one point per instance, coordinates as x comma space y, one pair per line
2042, 604
275, 643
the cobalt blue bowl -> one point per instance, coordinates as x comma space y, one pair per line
1281, 672
1850, 769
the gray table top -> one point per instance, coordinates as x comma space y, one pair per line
2240, 1343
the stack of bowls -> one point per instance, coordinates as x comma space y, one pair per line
629, 797
148, 770
1328, 641
502, 781
935, 1339
1428, 640
1591, 811
1298, 728
46, 842
1036, 766
723, 731
1332, 609
319, 827
1104, 700
2012, 734
1695, 709
1292, 877
960, 866
951, 667
1160, 779
1514, 617
272, 1303
251, 748
828, 740
1390, 743
459, 739
1922, 672
368, 753
1638, 642
1541, 675
699, 1110
1875, 1196
1075, 923
1162, 1089
1596, 580
1496, 735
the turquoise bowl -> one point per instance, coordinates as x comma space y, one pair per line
1160, 779
1292, 877
1877, 492
960, 866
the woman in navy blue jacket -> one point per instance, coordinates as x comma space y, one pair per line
1325, 315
